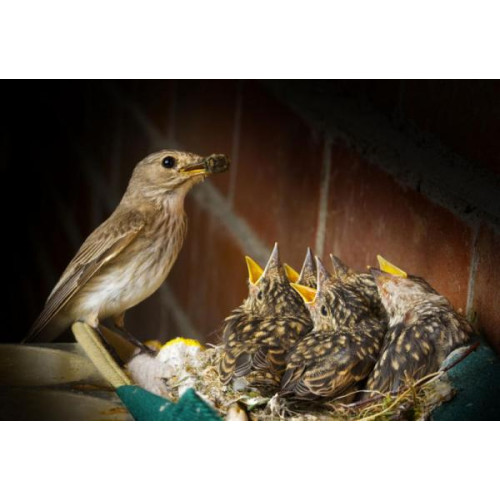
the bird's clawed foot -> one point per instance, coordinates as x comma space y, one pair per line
111, 350
120, 328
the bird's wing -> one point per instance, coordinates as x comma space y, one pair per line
253, 344
327, 367
409, 353
103, 245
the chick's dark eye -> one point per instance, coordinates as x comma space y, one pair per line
259, 295
324, 312
168, 162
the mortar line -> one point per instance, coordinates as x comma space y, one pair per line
323, 197
474, 264
209, 198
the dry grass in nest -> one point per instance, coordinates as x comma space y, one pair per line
415, 401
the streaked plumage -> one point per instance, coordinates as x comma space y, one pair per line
341, 349
364, 283
257, 335
423, 330
130, 254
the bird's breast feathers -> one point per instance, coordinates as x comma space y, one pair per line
138, 272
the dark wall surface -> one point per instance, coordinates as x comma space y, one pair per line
409, 170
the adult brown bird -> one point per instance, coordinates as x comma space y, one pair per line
257, 335
423, 330
341, 349
131, 253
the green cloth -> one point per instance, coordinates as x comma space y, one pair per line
477, 380
144, 405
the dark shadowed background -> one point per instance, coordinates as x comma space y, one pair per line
410, 170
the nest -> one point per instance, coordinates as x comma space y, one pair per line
415, 401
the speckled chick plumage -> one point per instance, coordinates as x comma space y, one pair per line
423, 330
258, 334
365, 285
343, 346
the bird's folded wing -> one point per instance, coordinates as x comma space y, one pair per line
100, 248
327, 376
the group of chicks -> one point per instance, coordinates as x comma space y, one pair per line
319, 335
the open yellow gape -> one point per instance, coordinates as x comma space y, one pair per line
387, 267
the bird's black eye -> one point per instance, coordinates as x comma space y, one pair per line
259, 295
168, 162
324, 312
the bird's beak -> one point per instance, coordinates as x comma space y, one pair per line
387, 267
273, 264
291, 273
340, 269
254, 270
212, 164
307, 293
308, 267
322, 273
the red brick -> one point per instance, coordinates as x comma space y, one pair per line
369, 214
486, 295
278, 178
205, 119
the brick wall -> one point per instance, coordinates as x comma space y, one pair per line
405, 169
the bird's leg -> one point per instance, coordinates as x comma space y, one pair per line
119, 323
109, 347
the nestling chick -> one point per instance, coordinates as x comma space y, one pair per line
343, 346
257, 335
364, 283
307, 276
423, 330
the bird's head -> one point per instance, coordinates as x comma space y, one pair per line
170, 171
269, 292
322, 305
341, 270
362, 282
399, 293
332, 303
